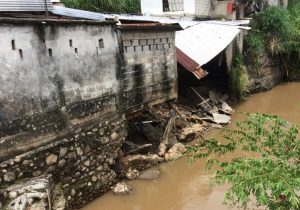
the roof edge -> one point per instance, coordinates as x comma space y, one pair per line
150, 26
54, 21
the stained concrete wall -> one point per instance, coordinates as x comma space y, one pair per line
49, 66
65, 87
55, 76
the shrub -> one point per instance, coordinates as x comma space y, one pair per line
277, 33
271, 173
238, 78
107, 6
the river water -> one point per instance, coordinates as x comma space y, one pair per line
184, 186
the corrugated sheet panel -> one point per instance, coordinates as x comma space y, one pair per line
24, 5
80, 14
202, 42
190, 64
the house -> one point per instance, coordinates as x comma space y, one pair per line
192, 8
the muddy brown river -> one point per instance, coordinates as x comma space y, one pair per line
184, 186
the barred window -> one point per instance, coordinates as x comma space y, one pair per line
173, 5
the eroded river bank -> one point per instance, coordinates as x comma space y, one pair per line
184, 186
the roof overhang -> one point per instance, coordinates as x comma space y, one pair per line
27, 21
151, 26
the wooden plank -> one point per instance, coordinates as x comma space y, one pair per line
203, 100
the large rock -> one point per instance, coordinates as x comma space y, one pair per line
150, 175
122, 189
132, 174
32, 195
139, 162
9, 177
51, 159
190, 133
175, 152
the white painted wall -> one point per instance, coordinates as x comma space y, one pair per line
274, 2
151, 7
203, 8
155, 7
189, 6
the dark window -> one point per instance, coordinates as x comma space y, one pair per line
166, 7
21, 53
50, 52
13, 45
173, 5
101, 43
71, 42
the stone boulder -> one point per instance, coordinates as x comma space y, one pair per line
150, 174
139, 162
132, 174
175, 152
32, 194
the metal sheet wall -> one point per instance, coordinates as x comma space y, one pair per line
24, 5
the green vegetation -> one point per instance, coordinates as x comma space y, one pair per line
270, 171
238, 78
277, 33
105, 6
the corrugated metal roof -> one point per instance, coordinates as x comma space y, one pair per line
202, 42
24, 5
75, 13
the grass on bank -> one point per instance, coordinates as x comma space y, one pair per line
238, 78
105, 6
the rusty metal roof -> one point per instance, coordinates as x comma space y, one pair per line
190, 65
24, 5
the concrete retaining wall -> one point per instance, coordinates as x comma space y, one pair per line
65, 88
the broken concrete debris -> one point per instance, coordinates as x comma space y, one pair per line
221, 118
162, 130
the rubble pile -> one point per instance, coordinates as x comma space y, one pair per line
161, 132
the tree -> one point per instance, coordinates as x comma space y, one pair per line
107, 6
271, 172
